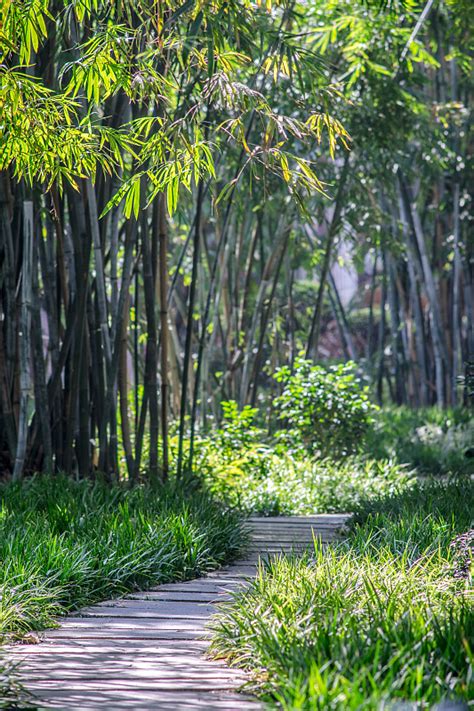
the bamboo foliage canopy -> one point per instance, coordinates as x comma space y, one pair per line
166, 170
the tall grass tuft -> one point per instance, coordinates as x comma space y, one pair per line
386, 616
65, 544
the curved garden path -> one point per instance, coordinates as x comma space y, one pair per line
148, 650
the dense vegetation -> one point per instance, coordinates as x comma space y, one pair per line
67, 544
385, 616
227, 230
330, 448
177, 194
64, 545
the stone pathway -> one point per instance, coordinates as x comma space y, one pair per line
148, 650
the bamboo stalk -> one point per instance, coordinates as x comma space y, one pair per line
163, 276
313, 337
25, 338
151, 354
187, 363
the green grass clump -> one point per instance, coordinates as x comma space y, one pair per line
385, 616
65, 544
266, 482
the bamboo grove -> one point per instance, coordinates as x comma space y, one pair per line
175, 182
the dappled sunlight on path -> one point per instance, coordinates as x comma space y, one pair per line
148, 650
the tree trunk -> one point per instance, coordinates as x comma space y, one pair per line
163, 255
439, 347
187, 362
25, 338
313, 338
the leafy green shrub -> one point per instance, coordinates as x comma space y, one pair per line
233, 454
326, 410
257, 475
385, 616
242, 469
238, 430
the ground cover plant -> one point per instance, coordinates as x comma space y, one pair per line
328, 448
386, 616
268, 482
64, 544
314, 459
434, 441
